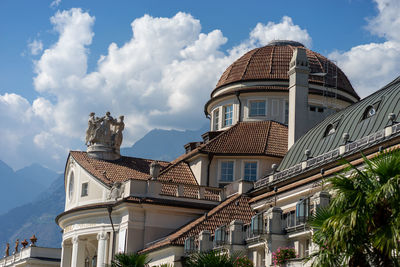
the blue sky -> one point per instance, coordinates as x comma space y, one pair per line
59, 60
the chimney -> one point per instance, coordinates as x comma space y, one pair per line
155, 170
298, 95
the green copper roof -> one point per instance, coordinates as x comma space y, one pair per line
353, 120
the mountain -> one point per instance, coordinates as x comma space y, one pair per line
22, 186
41, 207
36, 218
163, 144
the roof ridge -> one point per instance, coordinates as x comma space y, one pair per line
266, 139
248, 61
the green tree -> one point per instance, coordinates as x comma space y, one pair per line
130, 260
361, 226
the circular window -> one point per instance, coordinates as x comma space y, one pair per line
71, 185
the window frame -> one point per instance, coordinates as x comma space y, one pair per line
221, 169
244, 169
216, 119
227, 118
85, 189
251, 101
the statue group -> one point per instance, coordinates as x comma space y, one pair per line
105, 131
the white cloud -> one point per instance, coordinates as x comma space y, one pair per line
285, 30
371, 66
387, 23
55, 3
36, 46
160, 78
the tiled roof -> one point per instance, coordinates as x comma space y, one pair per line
261, 137
127, 168
256, 138
234, 208
349, 120
271, 62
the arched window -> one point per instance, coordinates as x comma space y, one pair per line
329, 130
71, 186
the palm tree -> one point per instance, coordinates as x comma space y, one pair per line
218, 259
130, 260
361, 226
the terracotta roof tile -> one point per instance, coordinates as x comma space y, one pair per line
271, 62
234, 208
127, 168
261, 137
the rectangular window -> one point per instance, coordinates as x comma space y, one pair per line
302, 210
250, 171
257, 225
84, 191
228, 115
257, 108
286, 112
220, 237
227, 171
190, 245
216, 120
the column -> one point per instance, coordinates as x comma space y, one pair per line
78, 252
101, 249
66, 254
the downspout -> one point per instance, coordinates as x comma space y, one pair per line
210, 158
109, 209
237, 93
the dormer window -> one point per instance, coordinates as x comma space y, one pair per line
331, 128
371, 110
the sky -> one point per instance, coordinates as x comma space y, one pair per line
156, 62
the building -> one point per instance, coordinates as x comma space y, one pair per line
280, 116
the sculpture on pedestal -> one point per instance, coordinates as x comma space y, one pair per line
104, 136
16, 246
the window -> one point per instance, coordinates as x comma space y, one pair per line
329, 130
302, 210
216, 119
289, 219
370, 111
190, 245
286, 112
316, 109
84, 191
71, 186
257, 225
228, 115
227, 171
221, 236
257, 108
250, 171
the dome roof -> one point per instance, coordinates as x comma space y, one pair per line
271, 62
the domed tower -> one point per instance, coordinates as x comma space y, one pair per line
256, 88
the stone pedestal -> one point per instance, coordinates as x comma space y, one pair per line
100, 151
